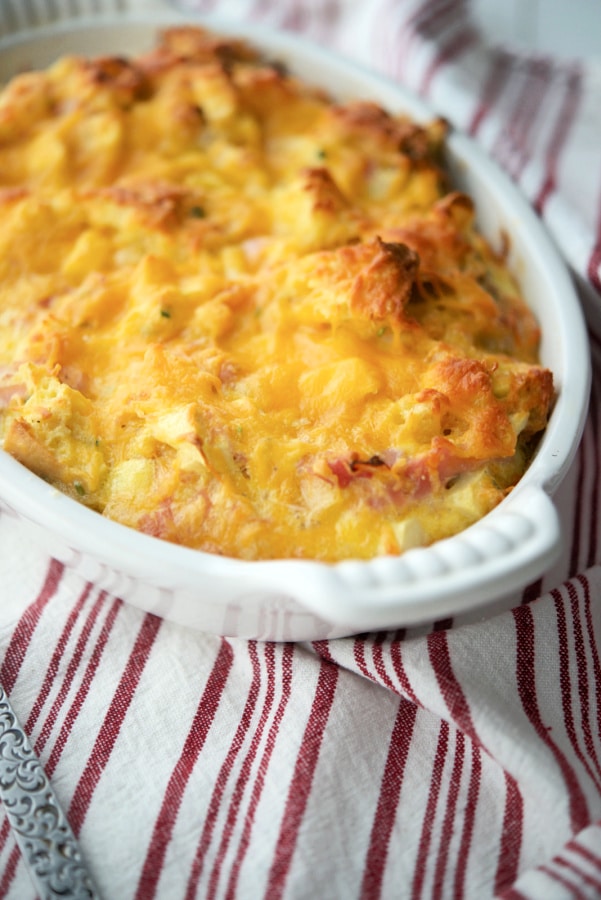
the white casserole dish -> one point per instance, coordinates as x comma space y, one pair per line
304, 600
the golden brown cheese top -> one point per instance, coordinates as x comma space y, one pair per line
239, 316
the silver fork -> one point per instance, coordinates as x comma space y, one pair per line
40, 827
18, 15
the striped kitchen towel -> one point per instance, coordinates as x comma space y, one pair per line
459, 760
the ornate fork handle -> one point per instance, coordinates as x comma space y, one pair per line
40, 826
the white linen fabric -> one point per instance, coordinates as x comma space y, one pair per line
461, 760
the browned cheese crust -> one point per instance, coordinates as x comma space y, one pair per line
241, 316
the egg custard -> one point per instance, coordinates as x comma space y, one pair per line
240, 316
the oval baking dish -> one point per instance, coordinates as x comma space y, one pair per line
298, 600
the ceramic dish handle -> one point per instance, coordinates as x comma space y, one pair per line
513, 546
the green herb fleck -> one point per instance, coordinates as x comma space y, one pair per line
79, 488
165, 314
321, 154
198, 212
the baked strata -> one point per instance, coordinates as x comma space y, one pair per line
243, 317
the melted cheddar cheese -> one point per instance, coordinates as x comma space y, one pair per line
240, 316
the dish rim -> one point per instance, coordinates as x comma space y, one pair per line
145, 557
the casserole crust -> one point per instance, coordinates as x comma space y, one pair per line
240, 316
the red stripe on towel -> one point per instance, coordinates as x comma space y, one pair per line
286, 676
451, 690
458, 707
10, 870
437, 16
526, 685
302, 778
430, 812
575, 893
511, 836
493, 88
593, 496
245, 770
590, 629
296, 17
55, 659
580, 495
4, 832
388, 801
532, 591
86, 681
513, 148
359, 656
450, 819
586, 854
469, 818
594, 263
565, 681
571, 866
594, 266
401, 673
109, 730
19, 642
582, 676
559, 136
203, 719
224, 774
405, 33
378, 657
458, 44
